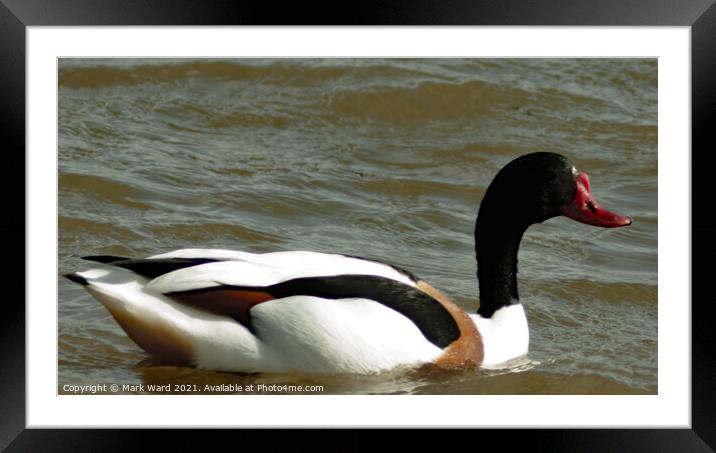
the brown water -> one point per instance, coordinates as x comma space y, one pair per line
382, 158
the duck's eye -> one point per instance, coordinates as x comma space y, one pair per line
591, 206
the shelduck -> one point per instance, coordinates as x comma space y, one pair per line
330, 313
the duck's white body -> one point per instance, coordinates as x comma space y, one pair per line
294, 333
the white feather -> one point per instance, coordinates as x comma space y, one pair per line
346, 335
249, 269
505, 335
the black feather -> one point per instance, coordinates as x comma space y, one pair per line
429, 315
150, 267
155, 267
107, 259
77, 279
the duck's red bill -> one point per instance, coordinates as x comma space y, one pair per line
584, 208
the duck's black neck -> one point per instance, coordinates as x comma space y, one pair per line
496, 248
528, 190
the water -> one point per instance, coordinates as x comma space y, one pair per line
382, 158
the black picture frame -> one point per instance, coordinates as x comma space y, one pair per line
700, 15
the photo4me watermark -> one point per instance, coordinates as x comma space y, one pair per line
124, 389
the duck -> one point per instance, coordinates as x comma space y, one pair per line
314, 312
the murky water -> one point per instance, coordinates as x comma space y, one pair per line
383, 158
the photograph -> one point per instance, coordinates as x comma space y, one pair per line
357, 226
485, 224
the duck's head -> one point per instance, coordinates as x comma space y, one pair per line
530, 189
538, 186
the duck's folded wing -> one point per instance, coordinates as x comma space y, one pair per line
192, 269
245, 268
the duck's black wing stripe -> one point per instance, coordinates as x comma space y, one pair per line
429, 315
107, 259
152, 267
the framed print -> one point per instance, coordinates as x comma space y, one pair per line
364, 146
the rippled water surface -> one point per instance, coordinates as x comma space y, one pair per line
382, 158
